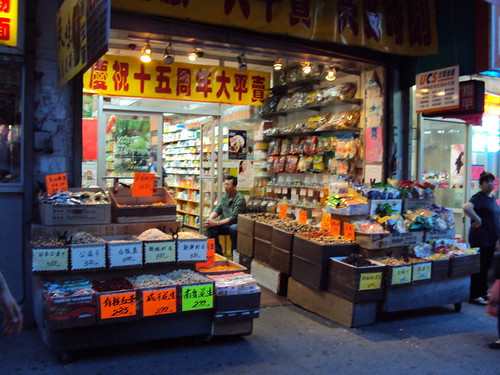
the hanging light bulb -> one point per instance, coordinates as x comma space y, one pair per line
306, 67
146, 52
278, 65
331, 74
168, 55
242, 62
192, 56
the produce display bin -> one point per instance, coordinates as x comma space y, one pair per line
262, 251
396, 276
128, 209
318, 253
356, 284
245, 244
263, 232
313, 275
464, 265
246, 225
64, 214
282, 239
440, 269
281, 260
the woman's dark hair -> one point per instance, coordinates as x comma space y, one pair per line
486, 176
232, 178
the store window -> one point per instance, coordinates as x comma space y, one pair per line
10, 127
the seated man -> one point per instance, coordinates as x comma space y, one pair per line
230, 205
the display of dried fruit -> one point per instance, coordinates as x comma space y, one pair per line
324, 237
357, 260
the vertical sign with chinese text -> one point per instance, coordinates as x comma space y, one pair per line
9, 21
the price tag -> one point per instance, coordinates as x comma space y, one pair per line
303, 216
269, 189
369, 281
401, 275
50, 260
326, 220
123, 254
88, 257
283, 211
349, 231
197, 297
293, 191
310, 192
277, 190
421, 271
284, 190
335, 227
303, 191
191, 250
144, 184
159, 302
159, 252
56, 182
117, 305
210, 255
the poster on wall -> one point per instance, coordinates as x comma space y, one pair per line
374, 145
374, 102
457, 166
245, 174
237, 144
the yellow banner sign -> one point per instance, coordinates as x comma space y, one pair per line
9, 20
128, 76
406, 27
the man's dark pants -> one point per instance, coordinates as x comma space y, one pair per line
220, 230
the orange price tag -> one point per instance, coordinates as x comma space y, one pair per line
118, 305
283, 211
302, 216
144, 184
335, 227
349, 231
56, 182
159, 302
326, 220
210, 255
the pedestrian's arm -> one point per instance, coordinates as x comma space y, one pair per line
13, 317
468, 209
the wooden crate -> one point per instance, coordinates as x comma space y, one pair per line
356, 284
331, 306
262, 251
263, 232
245, 244
396, 276
440, 269
373, 240
269, 278
464, 265
313, 275
317, 253
246, 225
281, 260
282, 239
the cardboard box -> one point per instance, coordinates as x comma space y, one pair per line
414, 203
269, 278
262, 251
245, 244
128, 209
435, 234
396, 204
62, 214
373, 240
464, 265
356, 284
355, 209
405, 239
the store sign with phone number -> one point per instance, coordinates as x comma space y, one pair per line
128, 76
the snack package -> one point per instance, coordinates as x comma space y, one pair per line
302, 165
285, 146
309, 164
295, 146
281, 164
291, 163
274, 147
318, 164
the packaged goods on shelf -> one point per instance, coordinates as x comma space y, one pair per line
234, 284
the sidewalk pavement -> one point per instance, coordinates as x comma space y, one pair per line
289, 340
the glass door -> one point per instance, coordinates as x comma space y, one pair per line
209, 161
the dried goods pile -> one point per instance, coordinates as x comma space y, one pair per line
154, 234
262, 216
190, 235
292, 226
357, 260
48, 243
325, 238
111, 285
219, 269
185, 277
235, 283
151, 281
85, 237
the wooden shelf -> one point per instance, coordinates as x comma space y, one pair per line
187, 213
186, 200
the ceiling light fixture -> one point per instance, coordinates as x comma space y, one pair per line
306, 67
242, 62
331, 74
278, 65
195, 54
146, 52
168, 55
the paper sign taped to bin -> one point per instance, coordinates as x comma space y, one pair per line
349, 231
50, 260
283, 208
326, 222
421, 271
210, 255
369, 281
159, 252
401, 275
302, 216
197, 297
335, 227
159, 302
117, 305
125, 254
56, 182
144, 184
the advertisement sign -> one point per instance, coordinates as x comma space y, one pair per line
128, 76
437, 90
9, 21
457, 166
237, 144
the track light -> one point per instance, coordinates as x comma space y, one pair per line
195, 54
278, 65
146, 52
306, 67
331, 74
242, 62
168, 55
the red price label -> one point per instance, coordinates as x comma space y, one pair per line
56, 182
144, 184
335, 227
326, 222
118, 305
283, 210
159, 302
210, 255
349, 231
302, 216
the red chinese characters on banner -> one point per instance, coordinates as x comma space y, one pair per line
224, 81
243, 4
99, 75
163, 80
240, 86
142, 76
183, 82
120, 76
203, 82
420, 25
5, 21
394, 24
300, 12
258, 87
348, 16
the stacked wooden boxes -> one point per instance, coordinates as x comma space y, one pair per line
281, 250
246, 230
262, 242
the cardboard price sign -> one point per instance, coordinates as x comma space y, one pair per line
191, 250
124, 254
88, 257
117, 305
197, 297
421, 271
302, 216
349, 231
369, 281
56, 182
210, 255
335, 227
401, 275
283, 211
159, 302
326, 222
144, 184
50, 260
159, 252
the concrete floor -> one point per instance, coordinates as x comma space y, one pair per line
289, 340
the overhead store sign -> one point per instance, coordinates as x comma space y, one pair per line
128, 76
470, 101
437, 90
9, 21
406, 27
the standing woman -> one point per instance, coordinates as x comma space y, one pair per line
484, 233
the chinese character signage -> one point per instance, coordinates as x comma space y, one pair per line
159, 252
437, 90
9, 19
117, 305
71, 40
197, 297
144, 184
125, 254
56, 182
159, 302
88, 257
128, 76
406, 27
50, 260
192, 250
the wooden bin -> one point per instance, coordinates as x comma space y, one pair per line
440, 269
246, 225
245, 244
281, 260
355, 284
318, 253
396, 276
263, 232
282, 239
464, 265
262, 251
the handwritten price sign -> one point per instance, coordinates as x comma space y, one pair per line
159, 252
144, 184
84, 257
369, 281
335, 227
159, 302
283, 211
50, 260
197, 297
349, 231
56, 182
326, 220
191, 250
210, 255
302, 216
118, 305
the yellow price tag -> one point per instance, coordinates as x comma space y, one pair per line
369, 281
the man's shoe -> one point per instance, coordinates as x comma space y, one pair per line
494, 345
478, 301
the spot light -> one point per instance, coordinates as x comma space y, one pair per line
306, 67
195, 54
168, 56
331, 74
146, 52
278, 65
242, 62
